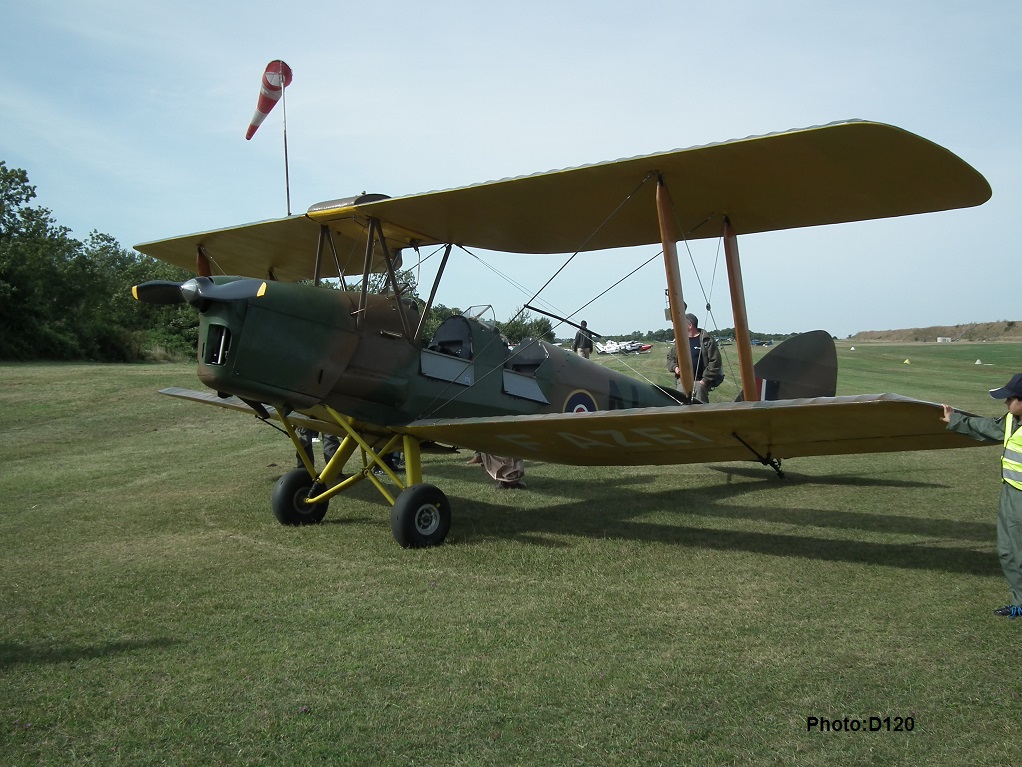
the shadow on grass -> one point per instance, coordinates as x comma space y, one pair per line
12, 654
611, 505
712, 501
490, 521
614, 516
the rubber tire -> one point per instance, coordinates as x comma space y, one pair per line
421, 517
288, 494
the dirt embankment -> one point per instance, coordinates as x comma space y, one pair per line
1005, 330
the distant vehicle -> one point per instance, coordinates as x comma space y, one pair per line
623, 347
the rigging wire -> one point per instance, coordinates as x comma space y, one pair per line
429, 408
643, 265
597, 230
709, 316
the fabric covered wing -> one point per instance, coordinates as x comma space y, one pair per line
872, 423
848, 171
282, 249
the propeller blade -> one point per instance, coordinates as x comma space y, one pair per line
197, 291
158, 292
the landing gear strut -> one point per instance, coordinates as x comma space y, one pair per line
421, 513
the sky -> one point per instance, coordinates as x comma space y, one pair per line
129, 117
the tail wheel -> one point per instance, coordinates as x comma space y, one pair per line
421, 517
289, 496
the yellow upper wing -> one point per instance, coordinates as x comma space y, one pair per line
848, 171
282, 249
872, 423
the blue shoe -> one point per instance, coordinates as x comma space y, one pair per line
1009, 611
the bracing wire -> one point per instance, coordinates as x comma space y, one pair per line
709, 318
429, 408
587, 240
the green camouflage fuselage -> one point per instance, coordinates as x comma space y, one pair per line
299, 346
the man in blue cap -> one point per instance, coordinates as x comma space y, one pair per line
1009, 516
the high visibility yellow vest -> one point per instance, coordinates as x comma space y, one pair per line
1011, 458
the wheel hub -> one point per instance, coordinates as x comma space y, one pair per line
427, 519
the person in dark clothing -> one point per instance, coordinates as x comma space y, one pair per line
330, 444
583, 343
707, 366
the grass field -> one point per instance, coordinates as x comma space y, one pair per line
154, 613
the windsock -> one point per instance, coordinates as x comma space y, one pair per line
275, 79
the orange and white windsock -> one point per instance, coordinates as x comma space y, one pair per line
275, 79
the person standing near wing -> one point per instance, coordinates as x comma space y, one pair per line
583, 343
707, 366
1009, 514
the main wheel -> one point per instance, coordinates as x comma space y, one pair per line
289, 496
421, 517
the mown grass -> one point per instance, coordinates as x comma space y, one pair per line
155, 613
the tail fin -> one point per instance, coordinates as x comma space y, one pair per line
802, 366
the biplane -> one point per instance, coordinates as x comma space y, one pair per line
354, 363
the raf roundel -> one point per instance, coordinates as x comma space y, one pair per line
580, 401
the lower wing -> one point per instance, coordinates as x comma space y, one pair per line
734, 431
873, 423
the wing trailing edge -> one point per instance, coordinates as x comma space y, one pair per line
837, 173
842, 172
872, 423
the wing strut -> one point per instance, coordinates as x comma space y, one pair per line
767, 460
324, 232
669, 238
366, 269
432, 294
742, 340
202, 267
326, 239
376, 232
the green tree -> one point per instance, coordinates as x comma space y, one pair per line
35, 292
64, 299
122, 327
523, 325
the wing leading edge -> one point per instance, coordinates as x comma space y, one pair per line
738, 431
836, 173
870, 423
841, 172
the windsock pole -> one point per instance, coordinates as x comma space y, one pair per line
283, 107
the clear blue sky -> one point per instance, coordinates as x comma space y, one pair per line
129, 118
